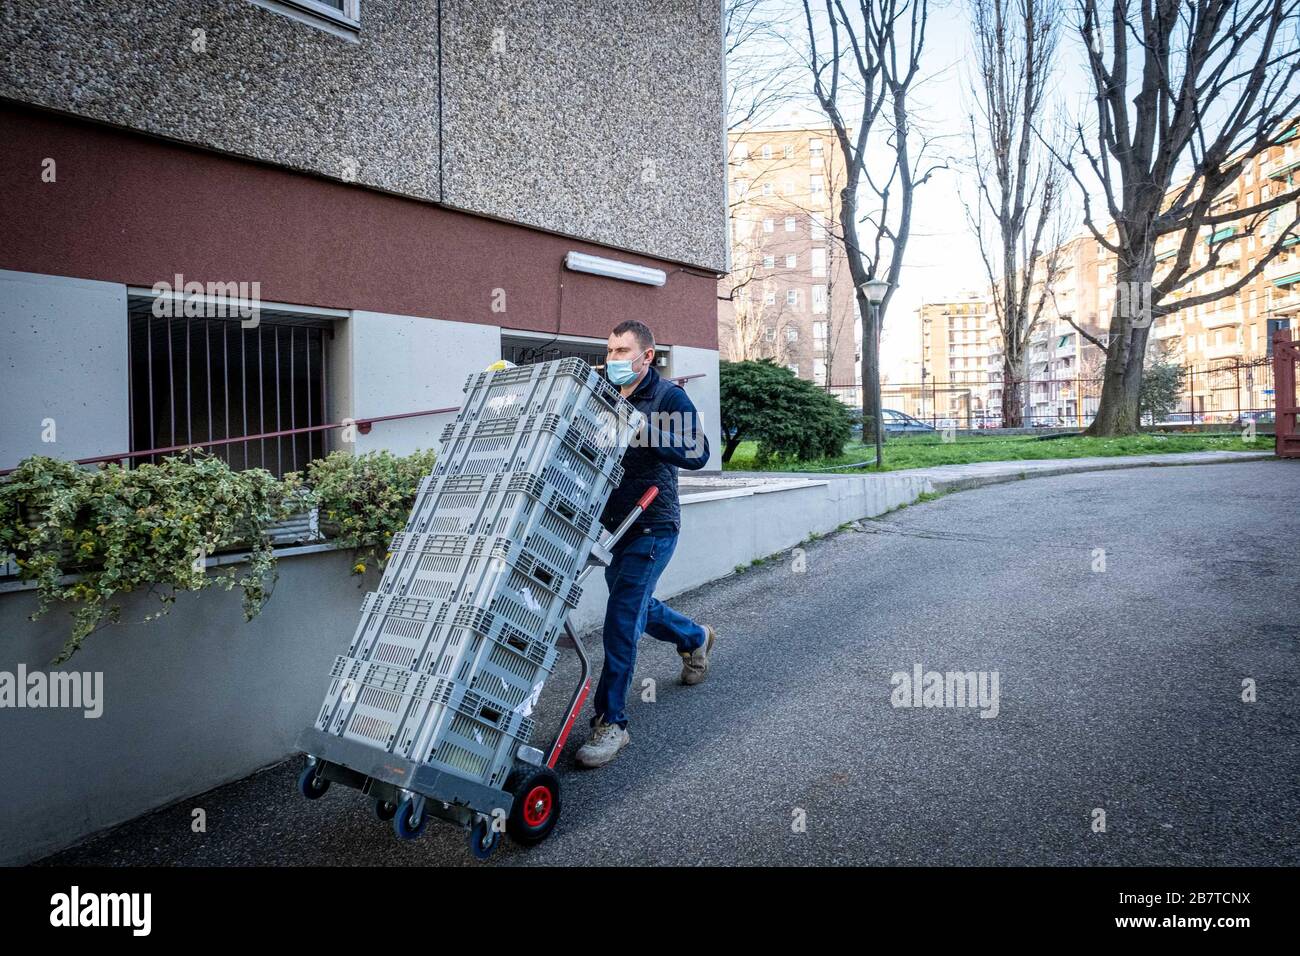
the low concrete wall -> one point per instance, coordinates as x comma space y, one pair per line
724, 526
200, 698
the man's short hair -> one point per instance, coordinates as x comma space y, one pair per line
640, 331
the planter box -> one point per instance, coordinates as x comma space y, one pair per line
301, 527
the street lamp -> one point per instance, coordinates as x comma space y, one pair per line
875, 290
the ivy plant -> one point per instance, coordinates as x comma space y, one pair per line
365, 499
88, 536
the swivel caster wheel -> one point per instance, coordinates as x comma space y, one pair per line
483, 839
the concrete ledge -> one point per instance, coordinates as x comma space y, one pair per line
729, 522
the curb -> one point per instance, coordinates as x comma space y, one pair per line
970, 482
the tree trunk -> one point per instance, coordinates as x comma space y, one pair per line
1013, 406
1117, 412
870, 368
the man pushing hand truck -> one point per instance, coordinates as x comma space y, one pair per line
672, 439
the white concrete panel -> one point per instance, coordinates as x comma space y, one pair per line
685, 360
64, 354
405, 363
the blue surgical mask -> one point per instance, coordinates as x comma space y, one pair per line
619, 371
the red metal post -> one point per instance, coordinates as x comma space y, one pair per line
1286, 354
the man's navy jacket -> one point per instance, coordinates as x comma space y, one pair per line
674, 440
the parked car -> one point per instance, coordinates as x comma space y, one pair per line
896, 423
1259, 418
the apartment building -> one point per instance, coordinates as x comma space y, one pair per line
239, 217
1229, 340
789, 295
954, 336
1062, 367
1224, 345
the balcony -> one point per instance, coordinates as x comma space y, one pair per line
1288, 164
1284, 271
1227, 350
1167, 329
1223, 318
1229, 256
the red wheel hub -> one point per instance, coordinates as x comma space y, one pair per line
537, 805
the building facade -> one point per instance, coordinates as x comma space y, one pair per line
251, 216
1062, 367
1227, 342
954, 360
789, 295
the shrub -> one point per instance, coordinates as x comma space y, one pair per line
1161, 391
788, 416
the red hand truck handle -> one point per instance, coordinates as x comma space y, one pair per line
651, 493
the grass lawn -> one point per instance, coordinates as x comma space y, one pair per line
923, 451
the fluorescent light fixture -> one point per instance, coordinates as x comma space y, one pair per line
581, 262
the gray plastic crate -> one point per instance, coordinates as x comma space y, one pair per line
411, 657
491, 571
521, 507
559, 449
562, 387
440, 721
469, 504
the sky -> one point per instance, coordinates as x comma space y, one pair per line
942, 257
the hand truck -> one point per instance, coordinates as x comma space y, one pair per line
409, 793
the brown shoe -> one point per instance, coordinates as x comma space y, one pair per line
695, 664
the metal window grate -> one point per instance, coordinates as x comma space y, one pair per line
204, 379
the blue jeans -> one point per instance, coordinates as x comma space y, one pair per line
639, 558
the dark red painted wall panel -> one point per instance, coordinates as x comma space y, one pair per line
128, 208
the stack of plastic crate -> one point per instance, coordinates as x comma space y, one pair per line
454, 647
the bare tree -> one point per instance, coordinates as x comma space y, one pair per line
1188, 94
882, 43
1020, 184
760, 68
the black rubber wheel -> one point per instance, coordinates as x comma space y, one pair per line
385, 810
483, 839
537, 804
311, 786
403, 826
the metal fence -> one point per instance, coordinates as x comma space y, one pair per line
1226, 391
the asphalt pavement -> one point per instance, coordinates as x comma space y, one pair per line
1125, 613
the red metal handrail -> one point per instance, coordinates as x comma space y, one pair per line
363, 425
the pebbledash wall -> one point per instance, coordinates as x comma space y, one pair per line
417, 183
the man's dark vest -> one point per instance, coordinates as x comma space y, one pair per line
643, 468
